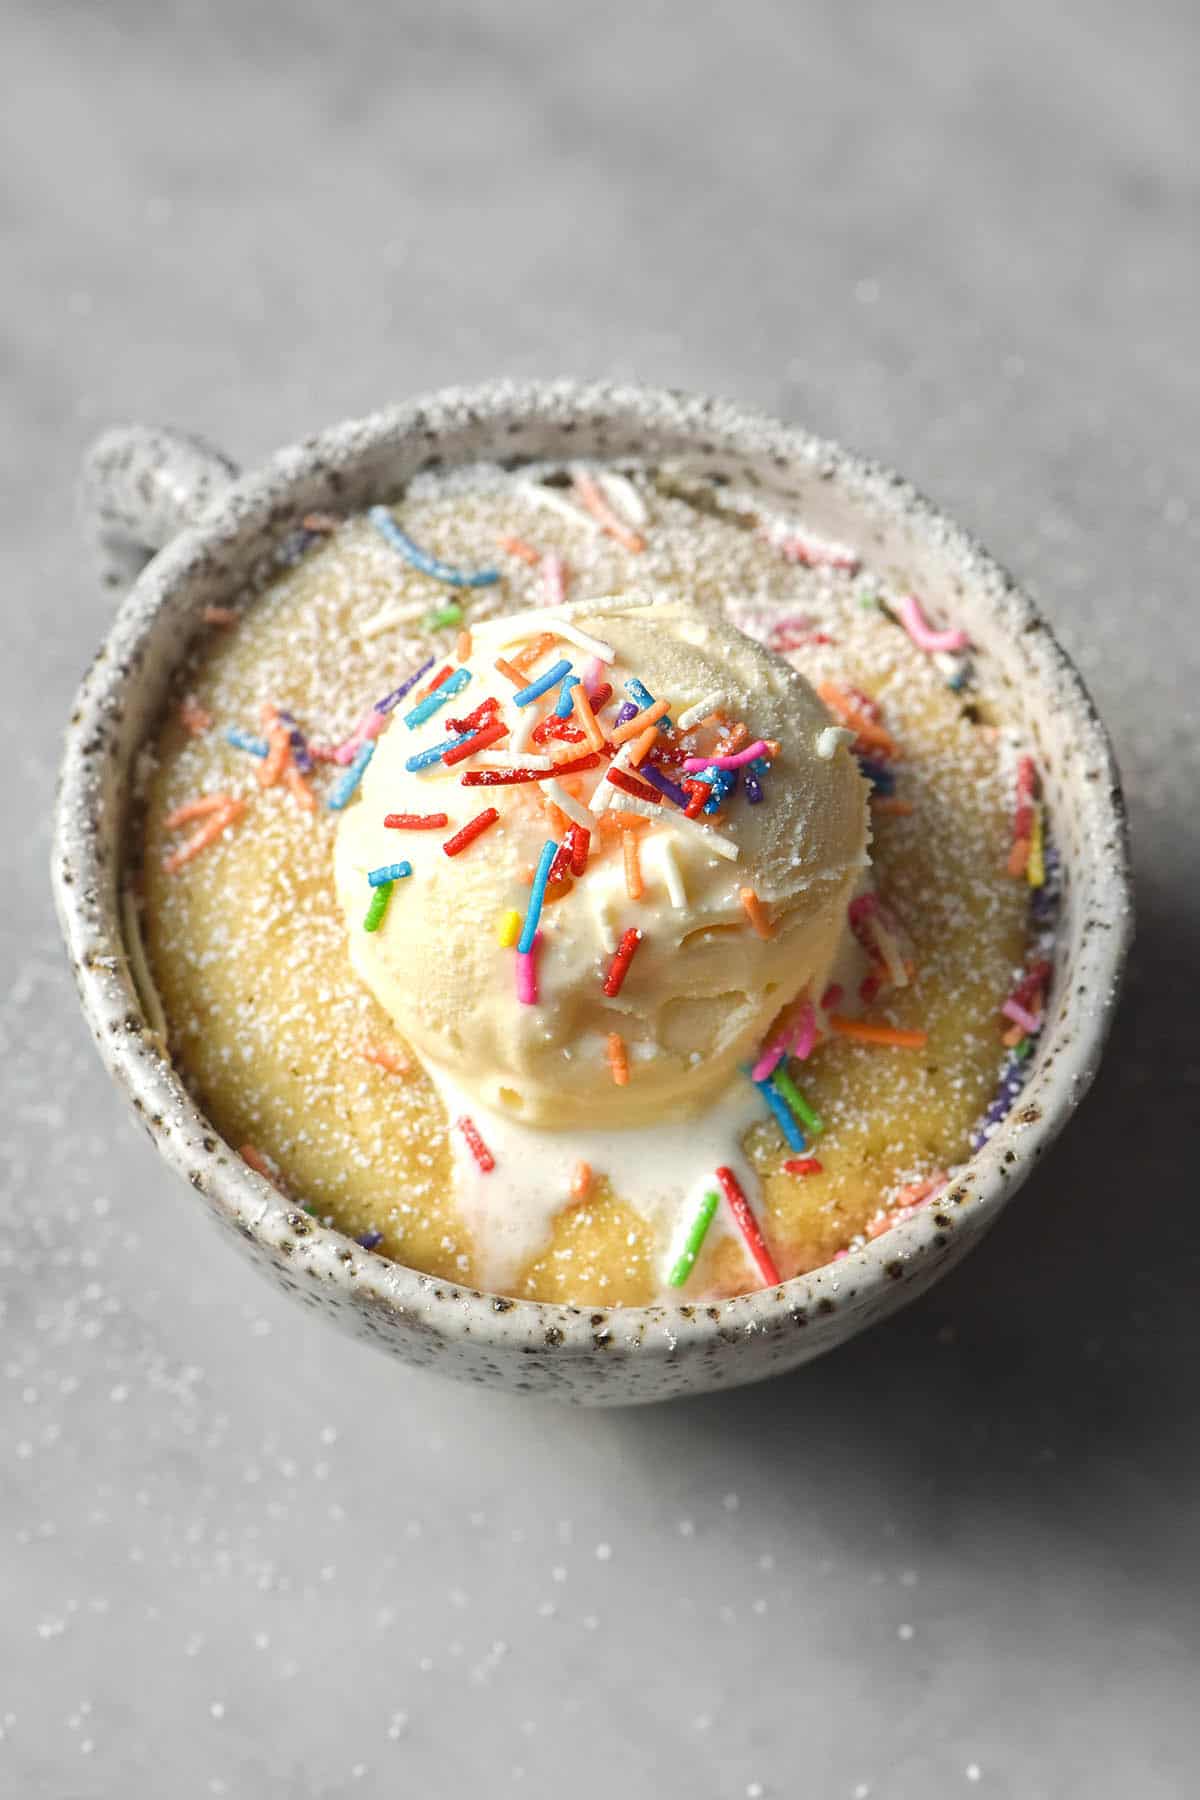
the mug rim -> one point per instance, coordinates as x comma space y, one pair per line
87, 876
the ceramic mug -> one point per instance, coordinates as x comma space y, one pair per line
173, 516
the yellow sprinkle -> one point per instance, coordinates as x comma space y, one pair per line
508, 928
1035, 868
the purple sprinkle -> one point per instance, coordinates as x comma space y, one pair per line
299, 744
664, 784
1012, 1080
629, 709
393, 699
754, 791
370, 1239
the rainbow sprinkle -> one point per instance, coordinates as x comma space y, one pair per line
389, 872
397, 694
387, 527
443, 616
637, 690
793, 1136
424, 759
508, 928
526, 966
537, 896
795, 1099
345, 788
697, 1232
564, 705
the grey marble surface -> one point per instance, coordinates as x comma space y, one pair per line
241, 1556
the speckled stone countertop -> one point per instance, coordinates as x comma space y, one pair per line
243, 1556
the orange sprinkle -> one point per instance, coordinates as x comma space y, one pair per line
739, 734
207, 834
635, 887
865, 1033
1012, 1037
298, 787
891, 803
618, 1061
589, 493
197, 809
855, 719
278, 757
518, 547
514, 675
1018, 858
581, 1181
193, 717
525, 659
756, 912
319, 521
386, 1059
221, 615
583, 712
642, 748
650, 715
260, 1165
462, 648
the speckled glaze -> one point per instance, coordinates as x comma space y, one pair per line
148, 490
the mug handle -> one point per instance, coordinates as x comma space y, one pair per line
140, 484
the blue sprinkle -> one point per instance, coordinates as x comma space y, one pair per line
344, 789
387, 527
526, 695
639, 692
564, 708
424, 759
425, 709
722, 782
878, 774
246, 740
397, 694
370, 1239
792, 1133
536, 897
389, 872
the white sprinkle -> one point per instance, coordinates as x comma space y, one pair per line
552, 501
594, 646
723, 846
494, 759
702, 708
391, 616
829, 739
623, 802
574, 809
669, 866
527, 719
973, 1772
139, 968
622, 496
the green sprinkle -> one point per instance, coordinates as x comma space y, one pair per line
378, 906
867, 601
795, 1099
445, 615
695, 1237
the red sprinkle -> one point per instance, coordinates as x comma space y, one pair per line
578, 840
747, 1224
470, 831
416, 821
560, 868
432, 686
490, 734
506, 777
475, 719
619, 966
553, 727
700, 791
478, 1148
803, 1165
1026, 788
639, 789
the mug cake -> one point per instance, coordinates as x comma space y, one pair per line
586, 885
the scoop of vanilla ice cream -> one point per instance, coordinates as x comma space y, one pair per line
703, 986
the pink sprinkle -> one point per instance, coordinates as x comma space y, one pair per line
831, 999
770, 1058
369, 726
806, 1033
1012, 1009
554, 579
813, 555
527, 989
921, 631
593, 676
735, 761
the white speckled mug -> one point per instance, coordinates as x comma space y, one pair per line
150, 491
